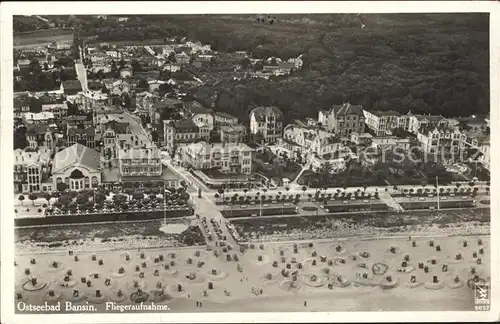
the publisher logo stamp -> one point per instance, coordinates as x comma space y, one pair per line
482, 296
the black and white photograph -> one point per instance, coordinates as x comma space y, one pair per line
293, 158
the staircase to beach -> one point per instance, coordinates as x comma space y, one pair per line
389, 201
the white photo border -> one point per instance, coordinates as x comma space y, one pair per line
8, 9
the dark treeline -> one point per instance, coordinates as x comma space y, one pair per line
426, 63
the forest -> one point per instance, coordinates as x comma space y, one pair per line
426, 63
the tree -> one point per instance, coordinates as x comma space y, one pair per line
21, 198
47, 197
61, 186
32, 197
221, 192
137, 195
81, 199
136, 66
99, 198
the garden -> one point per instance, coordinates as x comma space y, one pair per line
477, 170
276, 167
385, 171
103, 201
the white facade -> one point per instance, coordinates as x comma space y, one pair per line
43, 117
29, 170
58, 110
451, 140
206, 118
267, 121
78, 167
384, 122
236, 158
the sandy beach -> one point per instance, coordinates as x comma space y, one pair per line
267, 275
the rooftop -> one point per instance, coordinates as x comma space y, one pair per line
233, 128
184, 124
54, 105
72, 85
197, 108
224, 115
24, 158
206, 148
347, 109
139, 153
382, 113
76, 130
262, 112
44, 115
78, 154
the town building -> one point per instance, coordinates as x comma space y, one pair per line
233, 158
92, 100
222, 118
126, 73
21, 106
311, 140
232, 133
475, 124
31, 169
59, 110
110, 127
179, 133
154, 84
172, 67
442, 139
202, 114
71, 87
182, 58
415, 122
78, 167
81, 121
382, 123
343, 119
83, 136
41, 118
361, 139
40, 136
268, 122
138, 161
390, 142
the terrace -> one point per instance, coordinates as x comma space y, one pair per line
213, 178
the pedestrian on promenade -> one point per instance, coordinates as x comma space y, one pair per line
305, 303
197, 304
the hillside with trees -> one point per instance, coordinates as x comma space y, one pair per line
426, 63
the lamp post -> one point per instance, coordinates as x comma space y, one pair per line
437, 190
